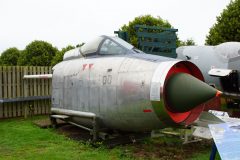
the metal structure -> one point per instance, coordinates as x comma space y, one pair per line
107, 84
24, 99
157, 40
220, 66
154, 40
42, 76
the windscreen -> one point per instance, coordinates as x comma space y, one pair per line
122, 42
91, 46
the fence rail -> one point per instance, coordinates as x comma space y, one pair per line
13, 86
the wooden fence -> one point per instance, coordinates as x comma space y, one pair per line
13, 86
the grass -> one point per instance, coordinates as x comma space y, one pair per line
21, 140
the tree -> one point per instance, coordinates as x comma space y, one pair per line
10, 57
37, 53
143, 20
59, 55
188, 42
227, 27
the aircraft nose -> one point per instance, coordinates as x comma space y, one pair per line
184, 92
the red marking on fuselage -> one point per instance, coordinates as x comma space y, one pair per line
90, 66
84, 66
147, 110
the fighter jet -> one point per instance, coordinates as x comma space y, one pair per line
109, 84
220, 66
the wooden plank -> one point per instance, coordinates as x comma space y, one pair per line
9, 88
26, 92
43, 92
30, 88
50, 81
1, 93
35, 92
14, 108
49, 90
30, 81
5, 106
18, 88
39, 91
46, 86
21, 89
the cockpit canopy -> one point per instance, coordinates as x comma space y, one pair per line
103, 45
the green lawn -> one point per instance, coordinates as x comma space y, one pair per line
20, 139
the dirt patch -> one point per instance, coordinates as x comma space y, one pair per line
166, 148
66, 129
163, 148
74, 132
46, 123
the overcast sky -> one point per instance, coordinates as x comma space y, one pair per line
63, 22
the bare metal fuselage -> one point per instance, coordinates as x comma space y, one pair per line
116, 88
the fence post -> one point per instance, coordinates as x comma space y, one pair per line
25, 92
4, 87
